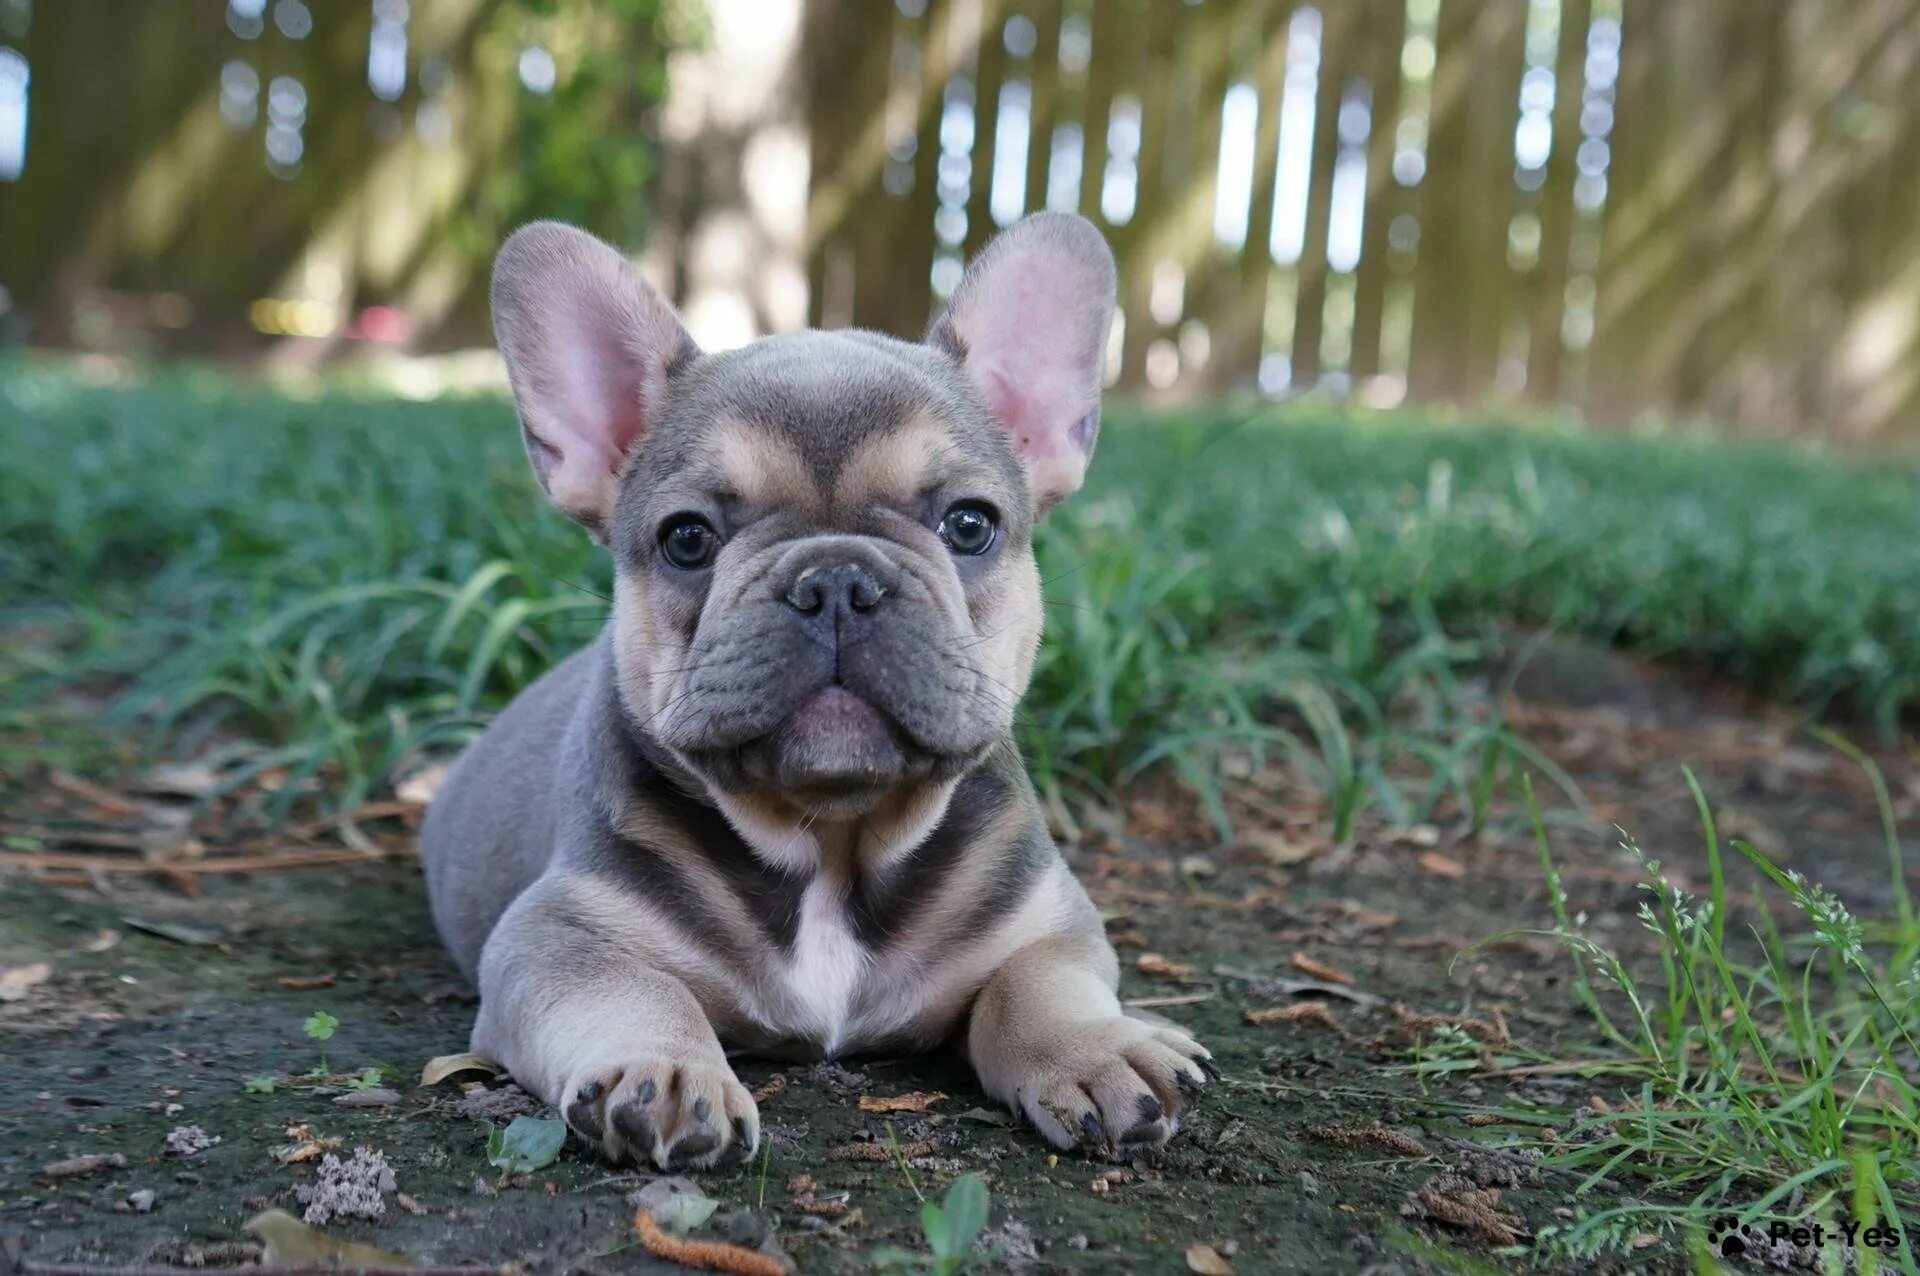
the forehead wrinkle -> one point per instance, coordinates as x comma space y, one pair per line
893, 466
759, 467
897, 467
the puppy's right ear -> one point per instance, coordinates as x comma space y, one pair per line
588, 345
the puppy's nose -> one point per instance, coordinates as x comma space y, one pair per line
826, 590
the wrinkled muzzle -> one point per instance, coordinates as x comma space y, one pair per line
834, 674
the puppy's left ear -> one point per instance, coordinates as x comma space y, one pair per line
1029, 323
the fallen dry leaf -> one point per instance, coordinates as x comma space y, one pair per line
1127, 939
306, 983
1206, 1260
1313, 1012
291, 1243
1440, 865
449, 1065
418, 789
109, 803
774, 1086
92, 1163
1452, 1200
1320, 970
17, 981
1155, 964
305, 1145
1281, 851
918, 1101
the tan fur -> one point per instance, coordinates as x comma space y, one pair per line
1050, 1040
609, 983
893, 469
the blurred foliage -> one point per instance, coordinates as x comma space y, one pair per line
155, 209
584, 150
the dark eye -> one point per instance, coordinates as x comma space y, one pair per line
968, 529
689, 541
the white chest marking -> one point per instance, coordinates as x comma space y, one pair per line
828, 966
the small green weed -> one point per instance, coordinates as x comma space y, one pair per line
1770, 1076
319, 1027
951, 1227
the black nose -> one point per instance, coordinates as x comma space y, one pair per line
849, 587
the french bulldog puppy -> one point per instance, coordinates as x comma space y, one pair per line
777, 805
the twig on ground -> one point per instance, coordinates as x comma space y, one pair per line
228, 864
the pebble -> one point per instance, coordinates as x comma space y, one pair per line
142, 1200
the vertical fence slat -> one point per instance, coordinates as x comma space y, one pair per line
1155, 100
989, 73
1309, 322
1545, 343
1103, 81
1444, 293
1044, 113
1386, 30
1240, 341
1209, 285
1756, 204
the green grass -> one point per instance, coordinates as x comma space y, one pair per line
358, 581
343, 586
1771, 1066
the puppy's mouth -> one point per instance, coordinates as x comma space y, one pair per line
835, 753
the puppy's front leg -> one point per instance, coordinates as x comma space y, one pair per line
573, 1008
1050, 1040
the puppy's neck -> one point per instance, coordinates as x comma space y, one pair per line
783, 834
792, 839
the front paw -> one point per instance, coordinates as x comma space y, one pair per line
1109, 1085
676, 1115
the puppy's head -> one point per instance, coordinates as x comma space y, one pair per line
826, 596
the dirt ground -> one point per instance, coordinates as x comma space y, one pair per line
1321, 1150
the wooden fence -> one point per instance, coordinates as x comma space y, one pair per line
1670, 207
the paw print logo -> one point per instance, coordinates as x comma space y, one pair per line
1730, 1237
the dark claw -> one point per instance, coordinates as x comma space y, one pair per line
647, 1091
740, 1134
1151, 1115
1208, 1066
591, 1092
701, 1108
1188, 1083
1094, 1131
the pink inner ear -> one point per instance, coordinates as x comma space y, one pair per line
1032, 317
600, 381
1020, 401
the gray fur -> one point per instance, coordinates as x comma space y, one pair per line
777, 804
